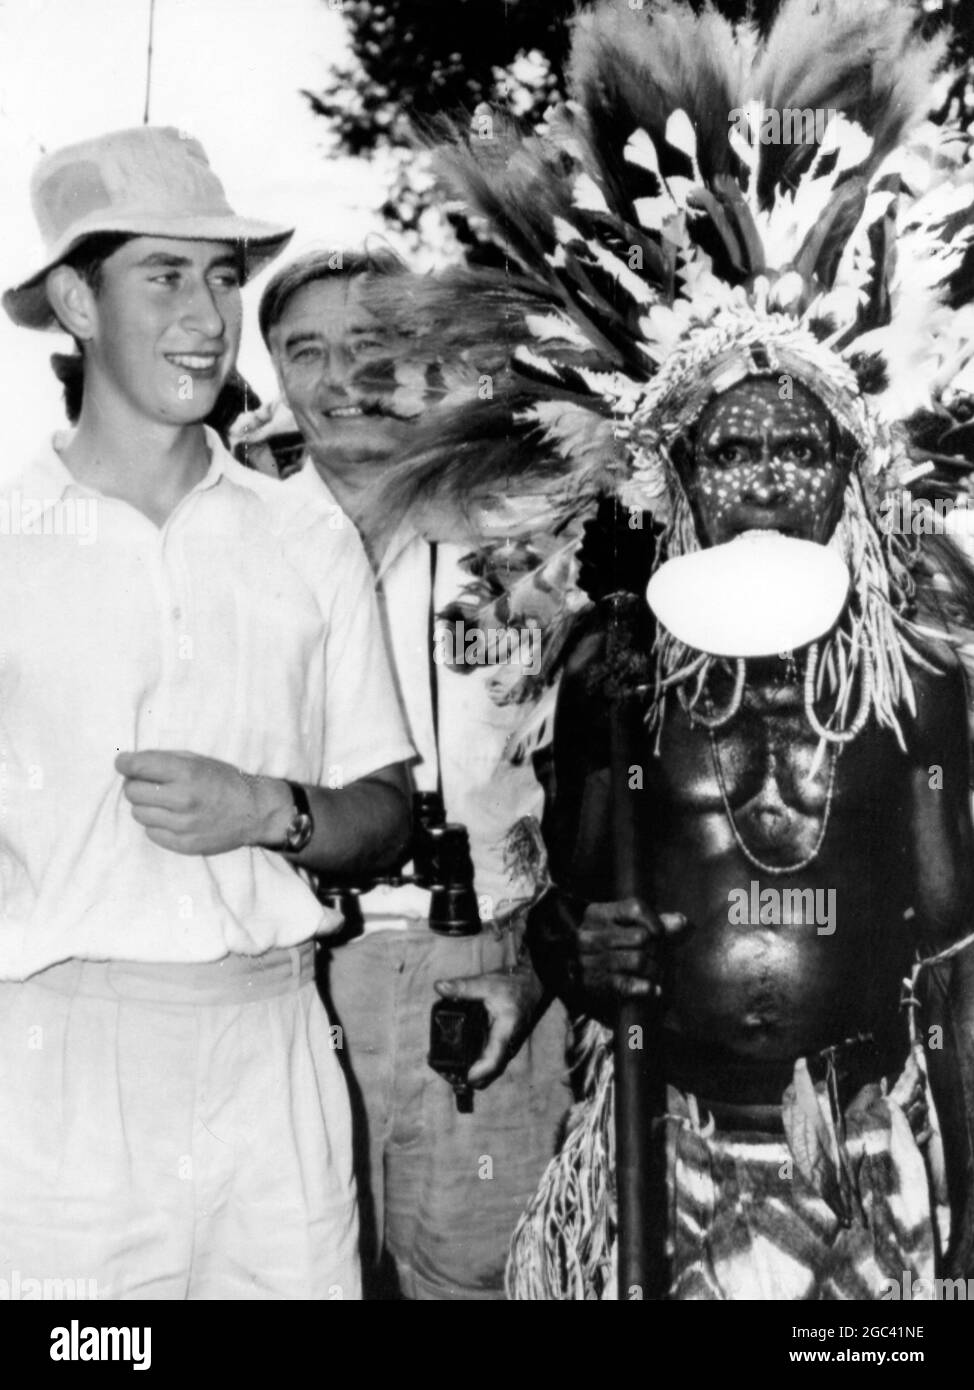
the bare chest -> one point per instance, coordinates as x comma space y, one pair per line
765, 777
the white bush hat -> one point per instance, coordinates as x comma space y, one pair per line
149, 181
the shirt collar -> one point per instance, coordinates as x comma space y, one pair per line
49, 479
401, 539
221, 460
403, 536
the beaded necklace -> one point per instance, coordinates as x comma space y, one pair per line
835, 739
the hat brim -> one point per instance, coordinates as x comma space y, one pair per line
27, 303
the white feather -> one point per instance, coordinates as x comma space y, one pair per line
744, 135
565, 233
537, 364
637, 288
682, 136
587, 195
640, 150
679, 189
848, 139
652, 212
549, 328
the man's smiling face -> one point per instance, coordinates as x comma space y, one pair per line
763, 463
323, 343
166, 325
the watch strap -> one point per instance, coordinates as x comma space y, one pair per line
302, 811
300, 798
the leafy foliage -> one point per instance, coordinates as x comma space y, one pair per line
414, 61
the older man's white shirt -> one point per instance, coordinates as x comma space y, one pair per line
482, 788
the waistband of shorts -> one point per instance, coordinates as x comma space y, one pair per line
235, 979
414, 930
747, 1094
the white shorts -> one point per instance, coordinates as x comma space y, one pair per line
175, 1132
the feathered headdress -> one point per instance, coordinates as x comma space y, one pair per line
709, 205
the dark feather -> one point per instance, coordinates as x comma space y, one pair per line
960, 285
631, 70
462, 313
480, 449
819, 255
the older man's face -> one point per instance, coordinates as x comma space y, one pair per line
323, 347
763, 463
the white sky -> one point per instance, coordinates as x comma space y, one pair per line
229, 72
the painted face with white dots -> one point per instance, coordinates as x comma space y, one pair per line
761, 462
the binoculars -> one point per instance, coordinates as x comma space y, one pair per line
441, 863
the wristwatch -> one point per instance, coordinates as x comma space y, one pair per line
302, 824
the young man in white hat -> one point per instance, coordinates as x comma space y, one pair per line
195, 705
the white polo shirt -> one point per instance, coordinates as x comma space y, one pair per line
244, 629
482, 788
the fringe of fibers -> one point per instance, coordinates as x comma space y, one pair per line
563, 1249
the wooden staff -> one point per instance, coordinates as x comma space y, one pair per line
640, 1081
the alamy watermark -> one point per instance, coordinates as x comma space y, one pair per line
76, 517
911, 1289
459, 645
902, 514
26, 1288
77, 1343
792, 125
782, 907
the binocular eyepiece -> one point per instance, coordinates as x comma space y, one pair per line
442, 863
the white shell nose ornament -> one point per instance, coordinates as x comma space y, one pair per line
758, 595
